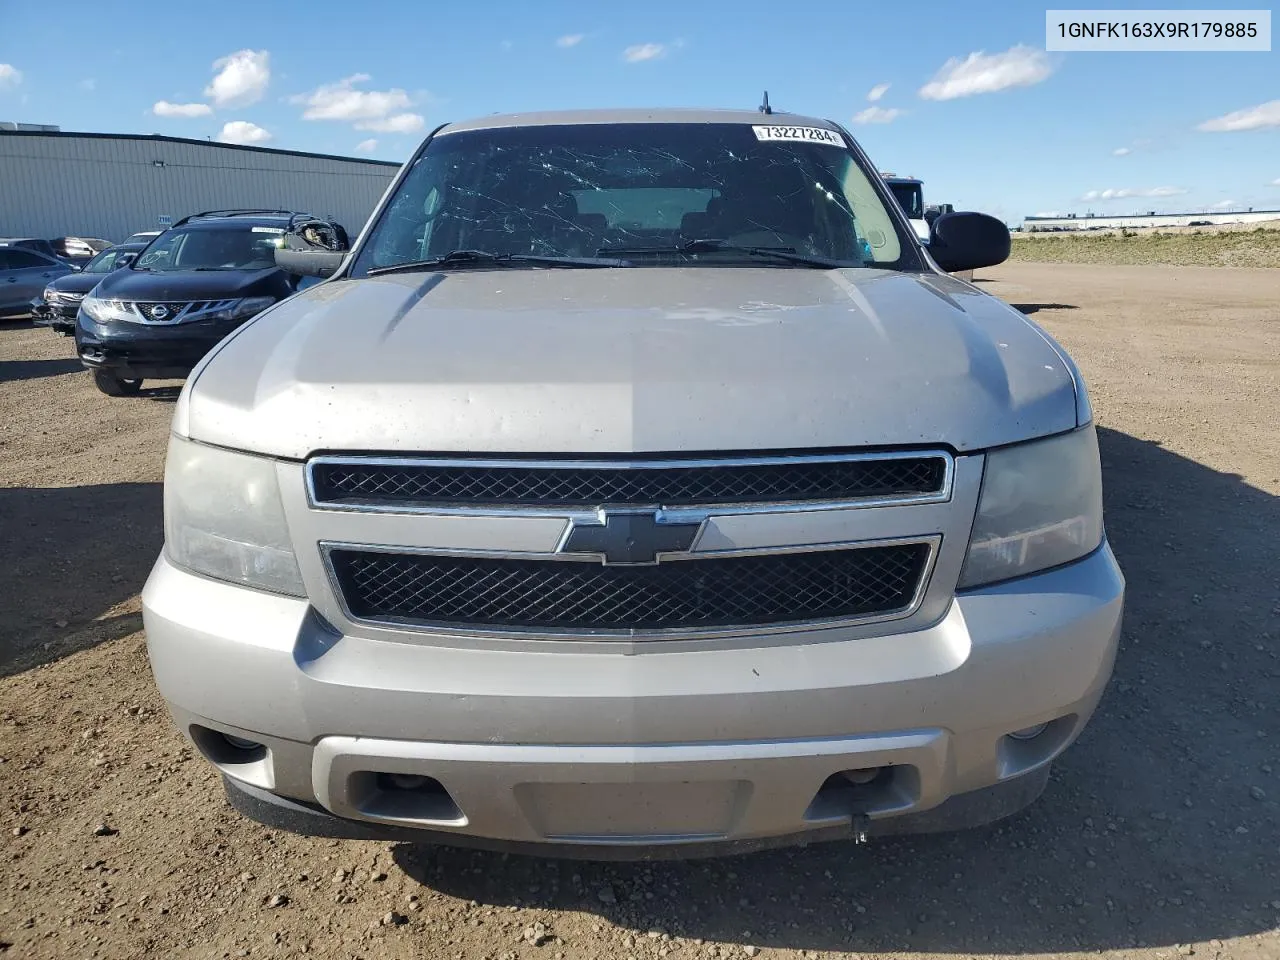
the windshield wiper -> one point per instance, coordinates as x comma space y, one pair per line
484, 258
712, 245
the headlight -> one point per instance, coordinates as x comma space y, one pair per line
104, 311
1041, 506
223, 518
48, 294
233, 309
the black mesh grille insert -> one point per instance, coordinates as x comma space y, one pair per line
592, 486
577, 595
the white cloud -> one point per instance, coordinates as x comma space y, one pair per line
163, 108
980, 72
10, 76
1276, 182
877, 115
1126, 193
397, 123
506, 45
383, 111
1049, 213
241, 78
1252, 118
88, 86
570, 40
878, 91
1121, 151
242, 131
1222, 205
367, 146
644, 51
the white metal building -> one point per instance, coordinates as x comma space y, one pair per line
1134, 221
55, 184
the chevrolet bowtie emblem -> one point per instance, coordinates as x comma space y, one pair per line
629, 537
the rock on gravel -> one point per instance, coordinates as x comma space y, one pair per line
536, 934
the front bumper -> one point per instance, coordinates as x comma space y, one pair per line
138, 351
60, 315
601, 751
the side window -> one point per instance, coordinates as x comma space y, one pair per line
5, 264
23, 259
410, 221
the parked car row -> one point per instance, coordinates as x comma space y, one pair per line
153, 306
30, 266
25, 270
72, 250
60, 301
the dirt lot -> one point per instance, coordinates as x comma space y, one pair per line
1159, 834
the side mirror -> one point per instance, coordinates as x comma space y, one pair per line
124, 260
967, 241
309, 263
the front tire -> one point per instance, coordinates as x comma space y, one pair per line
113, 386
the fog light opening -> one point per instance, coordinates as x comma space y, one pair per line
407, 781
863, 776
231, 753
1029, 733
412, 797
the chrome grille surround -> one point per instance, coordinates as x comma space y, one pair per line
774, 528
175, 311
534, 482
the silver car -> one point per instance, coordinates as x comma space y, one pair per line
638, 485
24, 274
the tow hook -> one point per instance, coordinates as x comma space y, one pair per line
861, 822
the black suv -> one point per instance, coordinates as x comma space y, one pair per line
60, 303
189, 288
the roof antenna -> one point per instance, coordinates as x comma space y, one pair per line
764, 107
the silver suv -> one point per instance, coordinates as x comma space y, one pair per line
637, 484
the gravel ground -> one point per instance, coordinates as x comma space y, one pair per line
1158, 835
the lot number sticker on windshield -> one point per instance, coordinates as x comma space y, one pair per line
799, 134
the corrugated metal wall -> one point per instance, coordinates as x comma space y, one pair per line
68, 185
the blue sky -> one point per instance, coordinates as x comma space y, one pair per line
974, 105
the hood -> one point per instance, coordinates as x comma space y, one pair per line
76, 282
631, 360
129, 284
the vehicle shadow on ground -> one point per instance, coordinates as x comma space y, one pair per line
1159, 827
168, 394
1030, 308
14, 370
73, 556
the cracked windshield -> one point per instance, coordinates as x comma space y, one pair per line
649, 193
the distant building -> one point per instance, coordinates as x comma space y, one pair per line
107, 185
1152, 219
34, 127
